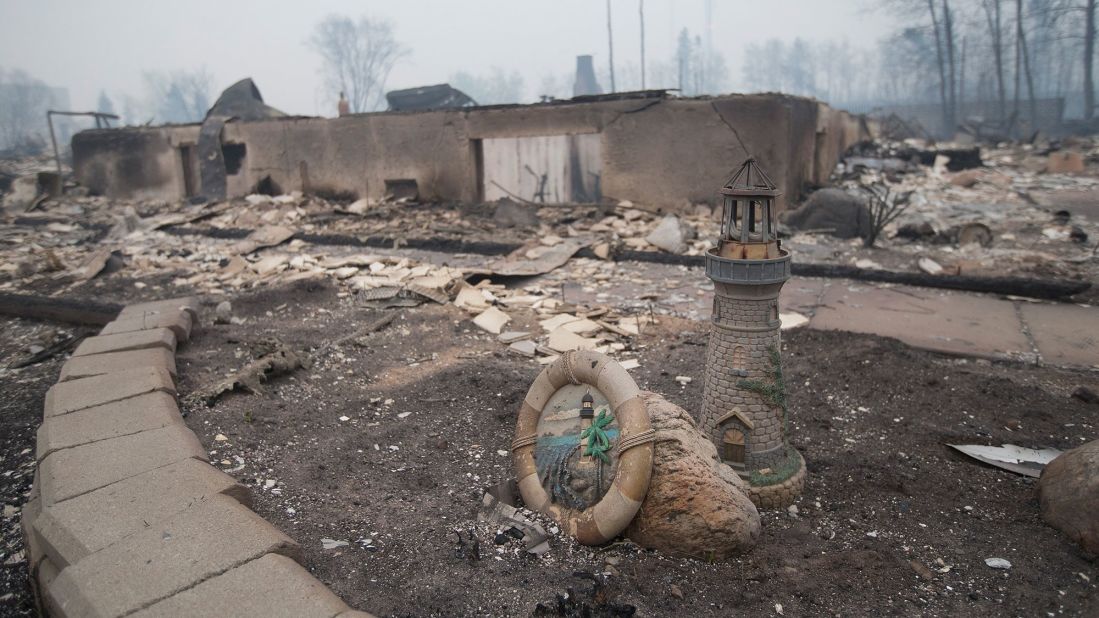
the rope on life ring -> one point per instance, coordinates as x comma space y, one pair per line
642, 438
519, 443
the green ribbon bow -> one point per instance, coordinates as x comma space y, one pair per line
598, 442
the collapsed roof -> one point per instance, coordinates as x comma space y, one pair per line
439, 96
243, 101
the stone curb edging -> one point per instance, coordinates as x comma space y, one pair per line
126, 515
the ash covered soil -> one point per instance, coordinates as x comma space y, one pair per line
389, 442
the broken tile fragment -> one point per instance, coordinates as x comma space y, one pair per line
492, 320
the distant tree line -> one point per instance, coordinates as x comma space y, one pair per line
1008, 52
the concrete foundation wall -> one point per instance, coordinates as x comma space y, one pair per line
657, 151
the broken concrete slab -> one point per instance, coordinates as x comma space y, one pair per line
123, 342
166, 559
111, 362
142, 413
76, 528
953, 323
75, 471
271, 586
1064, 334
84, 393
179, 323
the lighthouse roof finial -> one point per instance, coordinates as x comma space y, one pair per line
750, 181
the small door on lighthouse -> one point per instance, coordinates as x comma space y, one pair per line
732, 447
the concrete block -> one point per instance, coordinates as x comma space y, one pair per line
188, 304
95, 391
75, 471
166, 559
122, 342
112, 420
76, 528
273, 586
40, 581
178, 322
32, 542
110, 362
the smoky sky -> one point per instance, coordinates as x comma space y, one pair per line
106, 45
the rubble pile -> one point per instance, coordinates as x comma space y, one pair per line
1022, 213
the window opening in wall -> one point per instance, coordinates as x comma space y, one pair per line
266, 186
233, 154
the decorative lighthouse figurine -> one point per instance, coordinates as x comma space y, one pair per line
744, 401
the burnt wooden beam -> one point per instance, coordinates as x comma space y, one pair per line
67, 310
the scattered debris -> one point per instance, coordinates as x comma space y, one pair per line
791, 320
327, 543
1009, 457
930, 266
598, 601
274, 359
495, 511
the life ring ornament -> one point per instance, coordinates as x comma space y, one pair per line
608, 517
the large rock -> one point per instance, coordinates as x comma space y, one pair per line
1069, 494
696, 505
844, 215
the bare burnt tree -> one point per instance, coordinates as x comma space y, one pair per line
995, 32
948, 33
941, 61
885, 206
23, 104
357, 58
1021, 50
178, 96
1089, 60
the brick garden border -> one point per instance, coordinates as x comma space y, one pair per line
127, 517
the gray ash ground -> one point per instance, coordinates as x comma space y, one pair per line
892, 521
24, 391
